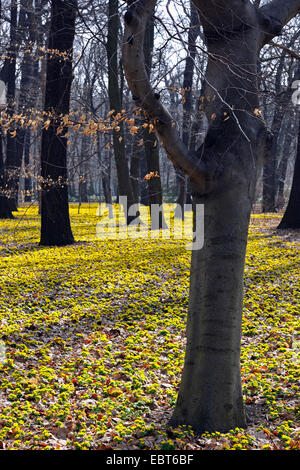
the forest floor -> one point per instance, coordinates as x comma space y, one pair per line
93, 339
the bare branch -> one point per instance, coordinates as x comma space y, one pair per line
286, 49
277, 14
136, 19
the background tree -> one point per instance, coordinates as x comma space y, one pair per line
291, 218
5, 209
56, 228
115, 100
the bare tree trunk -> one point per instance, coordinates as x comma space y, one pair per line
5, 210
27, 87
187, 105
28, 182
105, 174
56, 228
291, 218
269, 171
114, 92
282, 168
11, 165
151, 145
83, 183
137, 155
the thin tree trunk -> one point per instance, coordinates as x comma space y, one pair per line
5, 209
151, 144
135, 164
27, 182
27, 86
115, 99
187, 103
11, 164
291, 218
83, 183
269, 170
282, 168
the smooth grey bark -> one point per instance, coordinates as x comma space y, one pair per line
223, 174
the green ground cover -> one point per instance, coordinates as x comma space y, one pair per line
93, 338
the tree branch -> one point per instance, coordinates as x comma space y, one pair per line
277, 14
286, 49
136, 19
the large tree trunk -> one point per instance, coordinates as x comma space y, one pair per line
291, 218
223, 175
210, 395
56, 228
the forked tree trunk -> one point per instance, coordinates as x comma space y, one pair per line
210, 395
223, 177
56, 228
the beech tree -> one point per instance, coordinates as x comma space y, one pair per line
56, 228
223, 174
